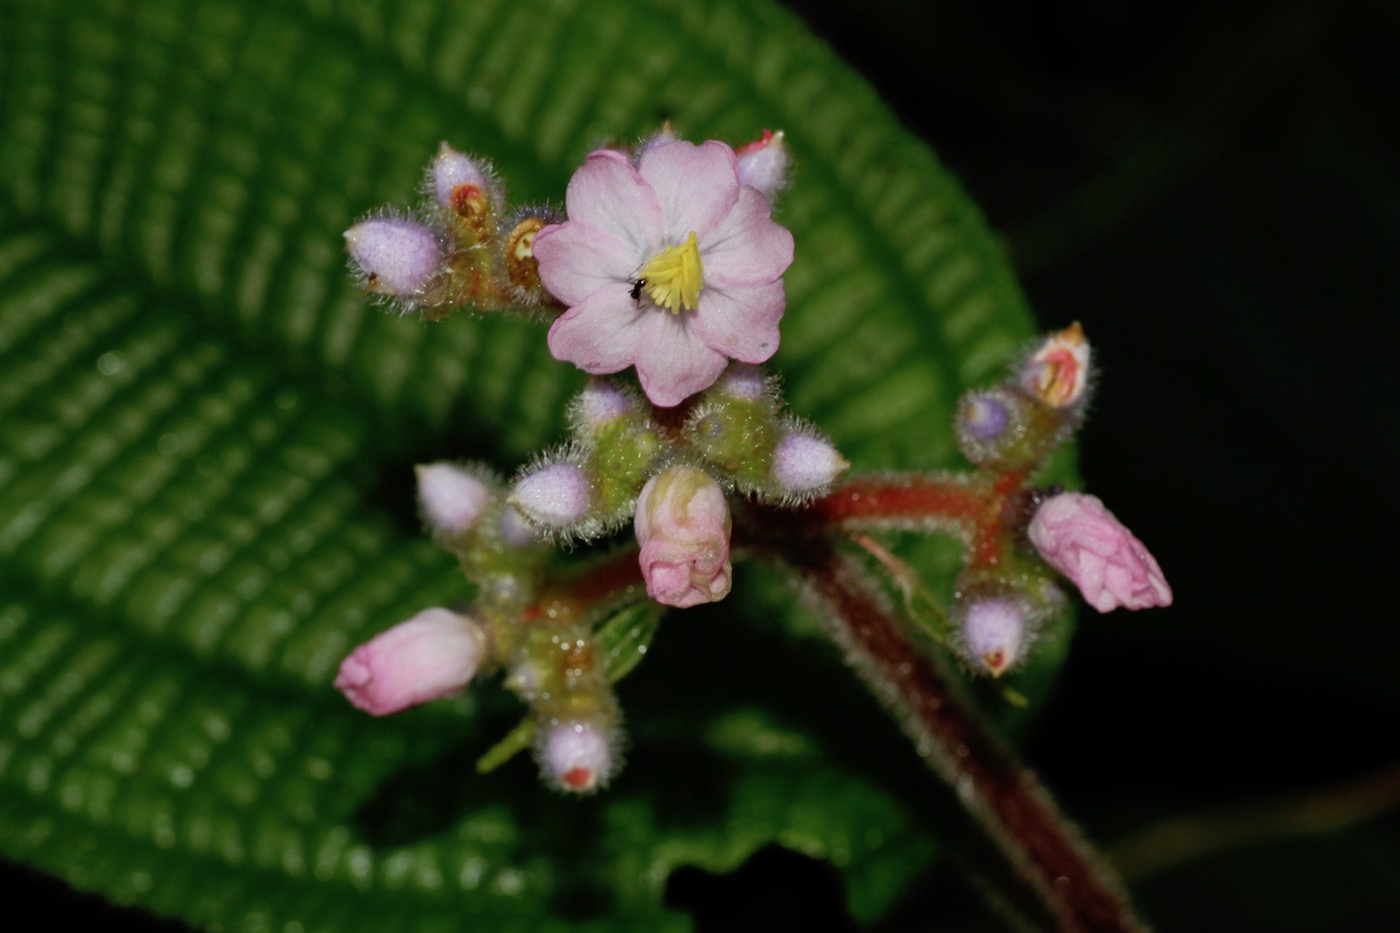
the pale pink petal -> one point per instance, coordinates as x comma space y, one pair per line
673, 362
608, 193
741, 323
577, 259
602, 333
1081, 538
682, 524
746, 247
695, 185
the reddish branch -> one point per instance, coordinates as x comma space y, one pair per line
1017, 813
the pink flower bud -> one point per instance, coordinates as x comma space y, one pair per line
432, 655
743, 380
601, 402
802, 463
577, 756
452, 498
682, 524
398, 257
557, 496
666, 134
458, 182
1057, 373
1081, 539
764, 163
993, 634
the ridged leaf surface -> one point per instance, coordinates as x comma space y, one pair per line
206, 440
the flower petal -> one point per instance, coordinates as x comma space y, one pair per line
746, 247
600, 334
741, 323
608, 193
695, 185
577, 259
673, 362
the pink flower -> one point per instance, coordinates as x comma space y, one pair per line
682, 525
432, 655
1081, 539
671, 266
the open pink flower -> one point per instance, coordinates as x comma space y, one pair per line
683, 525
671, 266
1081, 539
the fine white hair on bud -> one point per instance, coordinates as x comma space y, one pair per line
745, 381
804, 464
458, 182
601, 402
577, 757
398, 257
993, 634
764, 163
1057, 372
452, 498
557, 496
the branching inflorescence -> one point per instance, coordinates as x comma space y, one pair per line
667, 263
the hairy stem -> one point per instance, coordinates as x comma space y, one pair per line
1048, 854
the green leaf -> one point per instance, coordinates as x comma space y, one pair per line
206, 437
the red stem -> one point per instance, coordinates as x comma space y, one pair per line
600, 587
1017, 813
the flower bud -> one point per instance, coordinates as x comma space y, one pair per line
1057, 373
398, 257
432, 655
459, 183
452, 499
682, 524
601, 403
576, 756
1081, 539
764, 163
993, 634
994, 425
556, 496
743, 381
666, 134
803, 464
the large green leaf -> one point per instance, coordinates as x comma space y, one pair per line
206, 435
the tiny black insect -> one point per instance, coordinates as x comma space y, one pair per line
637, 286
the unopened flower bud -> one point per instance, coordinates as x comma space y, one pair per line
764, 163
557, 496
993, 634
577, 756
398, 257
1082, 539
666, 134
1057, 373
459, 183
803, 463
682, 524
991, 424
434, 654
452, 498
601, 402
744, 381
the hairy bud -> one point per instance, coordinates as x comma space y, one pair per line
434, 654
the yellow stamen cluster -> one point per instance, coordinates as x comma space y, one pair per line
673, 276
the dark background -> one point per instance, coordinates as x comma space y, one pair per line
1213, 190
